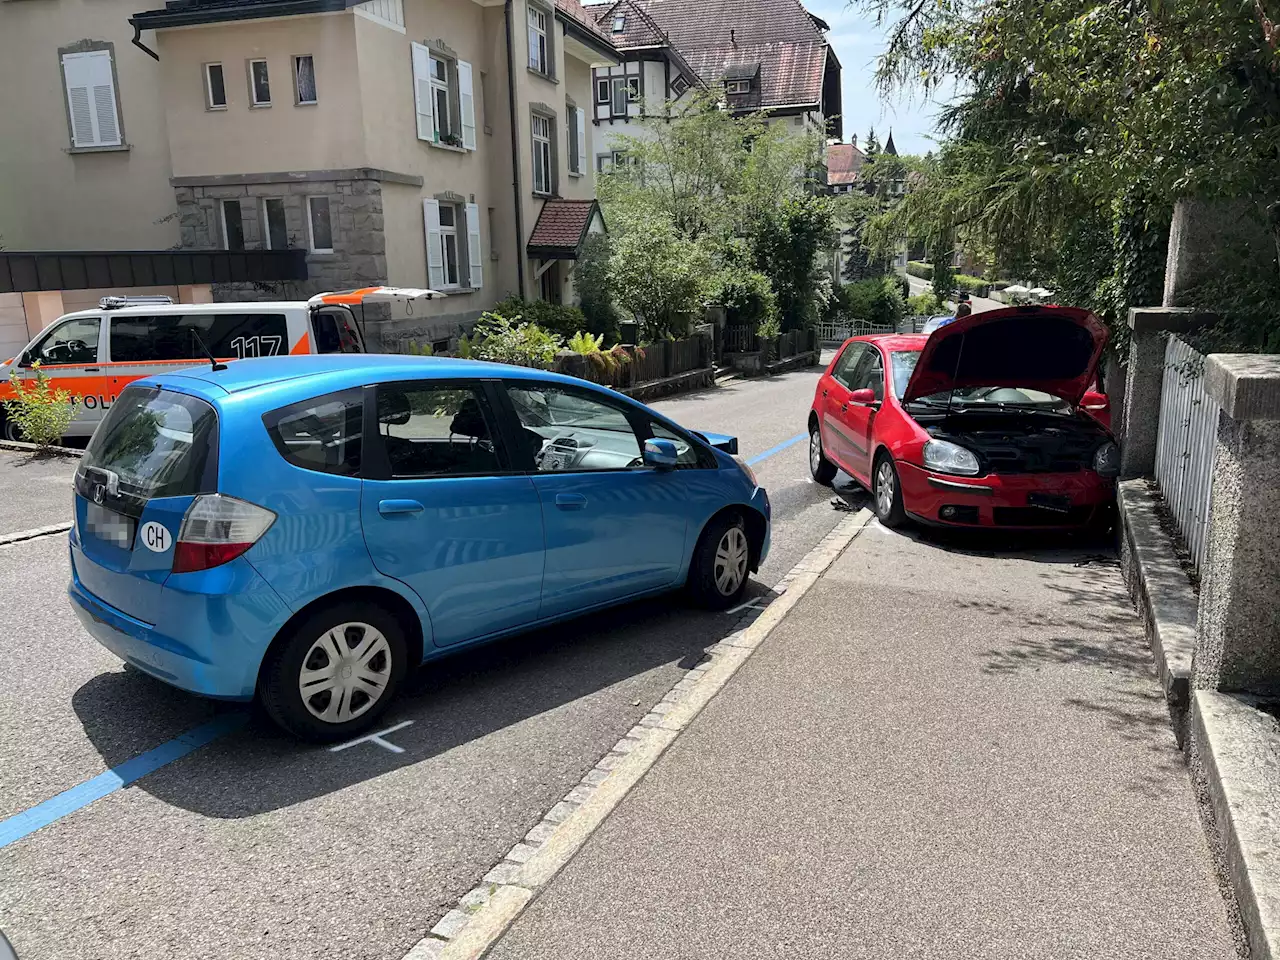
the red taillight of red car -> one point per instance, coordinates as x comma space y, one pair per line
216, 530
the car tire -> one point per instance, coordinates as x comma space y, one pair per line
328, 645
821, 469
11, 431
886, 493
720, 569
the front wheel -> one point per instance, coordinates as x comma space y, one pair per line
11, 431
886, 493
335, 673
821, 469
719, 572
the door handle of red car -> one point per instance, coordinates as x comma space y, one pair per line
824, 393
844, 408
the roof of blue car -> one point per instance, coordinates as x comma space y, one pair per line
241, 375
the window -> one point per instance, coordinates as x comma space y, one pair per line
577, 134
542, 169
620, 23
842, 371
686, 453
441, 107
868, 374
602, 91
738, 86
678, 86
903, 364
215, 87
232, 225
626, 90
539, 50
304, 80
92, 109
436, 431
569, 431
259, 86
274, 231
444, 95
335, 332
320, 224
75, 341
321, 434
449, 243
179, 336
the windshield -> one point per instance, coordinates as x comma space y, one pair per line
987, 398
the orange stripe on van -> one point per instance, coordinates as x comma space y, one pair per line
303, 345
351, 297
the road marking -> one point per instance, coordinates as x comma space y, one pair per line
376, 738
778, 449
749, 605
69, 801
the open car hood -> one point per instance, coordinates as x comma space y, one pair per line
1051, 349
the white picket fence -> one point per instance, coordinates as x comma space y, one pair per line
836, 333
1185, 443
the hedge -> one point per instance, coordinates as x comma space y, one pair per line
918, 268
973, 285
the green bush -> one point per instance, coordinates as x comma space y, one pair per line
554, 318
924, 305
876, 301
504, 340
973, 285
595, 290
41, 413
918, 268
746, 296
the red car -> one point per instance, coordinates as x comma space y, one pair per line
985, 423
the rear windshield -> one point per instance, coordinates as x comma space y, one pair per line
152, 443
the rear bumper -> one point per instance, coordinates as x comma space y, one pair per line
1002, 501
211, 644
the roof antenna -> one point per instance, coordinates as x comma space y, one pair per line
208, 353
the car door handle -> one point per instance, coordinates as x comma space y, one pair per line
844, 408
570, 501
391, 507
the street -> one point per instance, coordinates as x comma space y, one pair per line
979, 304
256, 846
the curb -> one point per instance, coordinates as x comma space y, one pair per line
24, 447
33, 533
1233, 747
1163, 595
488, 910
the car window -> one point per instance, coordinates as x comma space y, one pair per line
324, 433
335, 332
565, 430
75, 341
903, 364
686, 452
869, 374
436, 431
179, 336
848, 360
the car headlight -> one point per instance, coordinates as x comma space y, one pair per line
751, 474
1107, 460
945, 457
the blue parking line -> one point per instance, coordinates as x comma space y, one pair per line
69, 801
778, 449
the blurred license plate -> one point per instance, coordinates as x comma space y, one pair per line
109, 526
1049, 501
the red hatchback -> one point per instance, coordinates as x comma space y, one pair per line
985, 423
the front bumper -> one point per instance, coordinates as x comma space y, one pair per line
1003, 501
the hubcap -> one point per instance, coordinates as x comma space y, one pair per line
815, 452
345, 672
884, 488
731, 561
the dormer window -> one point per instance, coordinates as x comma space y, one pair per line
738, 77
737, 86
620, 23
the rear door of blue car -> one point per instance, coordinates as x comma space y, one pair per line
445, 510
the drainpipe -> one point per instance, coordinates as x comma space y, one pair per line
137, 42
515, 152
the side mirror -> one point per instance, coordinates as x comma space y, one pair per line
1093, 400
865, 397
660, 454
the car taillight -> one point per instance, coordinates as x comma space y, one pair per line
216, 530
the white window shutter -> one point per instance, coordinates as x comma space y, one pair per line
473, 246
435, 249
422, 92
582, 139
467, 102
91, 98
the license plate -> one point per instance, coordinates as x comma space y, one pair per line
109, 526
1049, 501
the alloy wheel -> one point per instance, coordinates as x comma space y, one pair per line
345, 672
731, 561
815, 451
884, 488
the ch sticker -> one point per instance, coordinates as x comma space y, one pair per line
156, 537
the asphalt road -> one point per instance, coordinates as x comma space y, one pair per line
254, 846
979, 304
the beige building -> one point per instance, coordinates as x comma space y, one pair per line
394, 141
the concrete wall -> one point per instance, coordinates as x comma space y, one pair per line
52, 199
13, 325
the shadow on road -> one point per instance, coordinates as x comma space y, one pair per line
451, 702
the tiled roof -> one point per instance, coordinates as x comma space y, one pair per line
790, 72
844, 160
584, 17
561, 227
638, 28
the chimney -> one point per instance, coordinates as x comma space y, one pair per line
853, 139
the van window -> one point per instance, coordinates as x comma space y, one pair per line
152, 443
335, 332
173, 337
322, 434
74, 341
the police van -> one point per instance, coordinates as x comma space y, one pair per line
94, 354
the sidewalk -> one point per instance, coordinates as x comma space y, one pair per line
936, 754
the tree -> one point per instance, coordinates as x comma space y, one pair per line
656, 273
785, 248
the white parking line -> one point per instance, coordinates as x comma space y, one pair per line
376, 738
749, 605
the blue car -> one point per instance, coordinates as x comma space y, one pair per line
304, 530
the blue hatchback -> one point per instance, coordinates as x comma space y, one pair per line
304, 530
